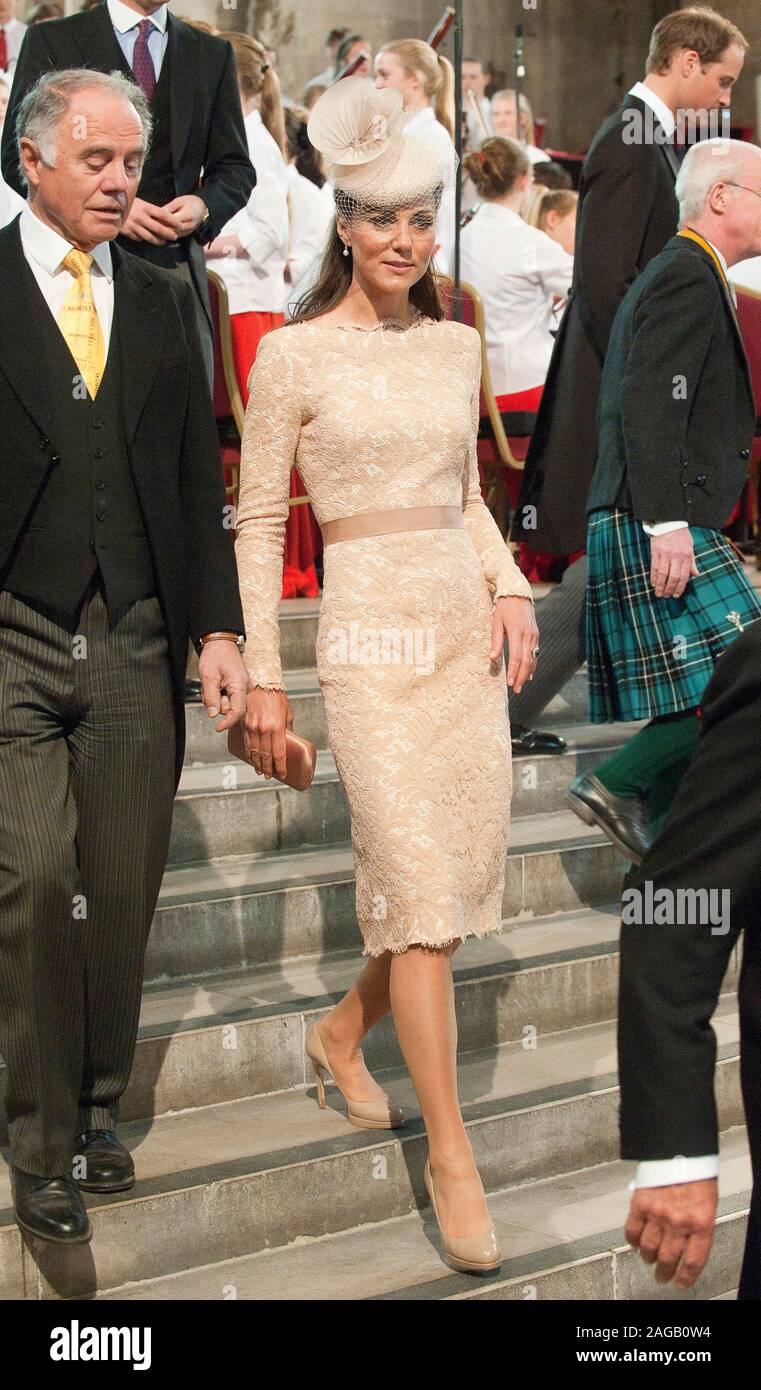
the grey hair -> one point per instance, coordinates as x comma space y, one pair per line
48, 101
707, 163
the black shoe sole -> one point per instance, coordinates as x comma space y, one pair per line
54, 1240
105, 1187
585, 812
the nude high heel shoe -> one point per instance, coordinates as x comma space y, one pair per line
472, 1254
364, 1114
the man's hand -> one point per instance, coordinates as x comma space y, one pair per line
187, 213
672, 562
224, 682
672, 1227
148, 222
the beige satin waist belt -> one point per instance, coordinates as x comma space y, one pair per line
354, 528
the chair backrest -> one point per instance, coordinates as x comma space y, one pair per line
226, 395
749, 314
472, 313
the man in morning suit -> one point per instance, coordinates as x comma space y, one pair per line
197, 173
627, 212
113, 552
671, 977
667, 593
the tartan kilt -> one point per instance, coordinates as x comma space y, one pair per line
651, 656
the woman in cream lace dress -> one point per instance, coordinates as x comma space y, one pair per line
375, 399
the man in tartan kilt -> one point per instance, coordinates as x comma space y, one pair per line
666, 593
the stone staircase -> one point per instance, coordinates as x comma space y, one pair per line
245, 1188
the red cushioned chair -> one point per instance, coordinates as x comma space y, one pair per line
749, 314
500, 459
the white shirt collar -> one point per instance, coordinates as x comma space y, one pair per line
424, 116
501, 211
47, 247
721, 257
663, 113
123, 18
254, 117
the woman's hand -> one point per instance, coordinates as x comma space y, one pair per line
514, 618
268, 715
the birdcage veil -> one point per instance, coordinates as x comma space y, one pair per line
371, 163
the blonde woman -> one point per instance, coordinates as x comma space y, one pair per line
554, 213
374, 396
251, 251
425, 80
504, 119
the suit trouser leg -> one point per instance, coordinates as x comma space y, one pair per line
560, 618
750, 1073
41, 957
88, 759
122, 772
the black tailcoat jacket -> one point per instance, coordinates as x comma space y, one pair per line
171, 441
627, 212
676, 414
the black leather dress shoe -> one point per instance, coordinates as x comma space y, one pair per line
534, 741
192, 695
622, 818
50, 1208
105, 1164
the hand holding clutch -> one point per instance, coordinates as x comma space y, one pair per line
300, 757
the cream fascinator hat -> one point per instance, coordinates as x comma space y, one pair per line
371, 162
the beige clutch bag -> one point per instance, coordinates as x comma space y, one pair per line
300, 757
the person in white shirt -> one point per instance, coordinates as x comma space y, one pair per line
311, 205
11, 36
504, 119
251, 251
426, 82
477, 124
11, 202
517, 271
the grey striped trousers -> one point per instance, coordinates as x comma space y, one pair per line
86, 791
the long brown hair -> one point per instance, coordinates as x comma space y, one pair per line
334, 279
257, 77
437, 73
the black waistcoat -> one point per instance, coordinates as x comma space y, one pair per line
87, 515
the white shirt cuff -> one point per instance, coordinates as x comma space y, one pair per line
663, 1172
661, 528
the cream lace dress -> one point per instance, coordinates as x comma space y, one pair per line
417, 720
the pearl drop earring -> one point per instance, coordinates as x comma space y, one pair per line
346, 248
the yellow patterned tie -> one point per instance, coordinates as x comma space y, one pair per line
79, 322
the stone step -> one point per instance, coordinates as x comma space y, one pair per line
226, 809
242, 1033
205, 745
234, 1178
258, 909
561, 1238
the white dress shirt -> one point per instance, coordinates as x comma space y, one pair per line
45, 248
516, 269
661, 528
126, 21
14, 37
661, 111
255, 282
425, 126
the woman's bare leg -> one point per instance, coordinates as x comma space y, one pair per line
342, 1031
422, 1003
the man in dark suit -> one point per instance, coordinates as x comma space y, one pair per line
676, 421
197, 173
113, 552
672, 970
627, 212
